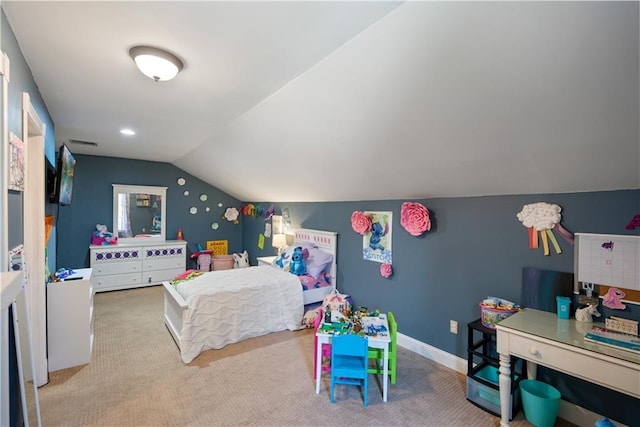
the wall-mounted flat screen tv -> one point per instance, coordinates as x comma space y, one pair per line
63, 186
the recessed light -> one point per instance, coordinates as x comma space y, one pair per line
128, 132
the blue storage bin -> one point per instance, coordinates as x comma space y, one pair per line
564, 307
488, 397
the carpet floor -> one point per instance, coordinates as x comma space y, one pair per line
136, 378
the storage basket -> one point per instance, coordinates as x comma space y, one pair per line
222, 262
490, 315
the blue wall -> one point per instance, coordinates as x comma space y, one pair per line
21, 80
476, 248
92, 204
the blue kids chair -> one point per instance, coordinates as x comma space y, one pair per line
349, 362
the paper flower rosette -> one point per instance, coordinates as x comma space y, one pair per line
386, 270
360, 222
414, 217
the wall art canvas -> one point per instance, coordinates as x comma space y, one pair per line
376, 243
16, 167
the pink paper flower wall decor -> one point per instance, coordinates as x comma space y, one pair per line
360, 222
414, 217
386, 270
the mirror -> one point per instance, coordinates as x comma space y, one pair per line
139, 211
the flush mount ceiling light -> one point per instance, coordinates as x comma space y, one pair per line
157, 64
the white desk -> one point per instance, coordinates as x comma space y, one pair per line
378, 341
543, 338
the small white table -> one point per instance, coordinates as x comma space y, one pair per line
266, 260
378, 341
542, 338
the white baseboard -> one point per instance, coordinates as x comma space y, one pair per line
568, 411
439, 356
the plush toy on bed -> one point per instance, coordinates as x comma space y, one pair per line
241, 260
297, 264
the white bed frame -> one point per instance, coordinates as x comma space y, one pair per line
175, 306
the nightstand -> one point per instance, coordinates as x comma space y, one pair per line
266, 260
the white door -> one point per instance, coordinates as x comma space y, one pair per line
33, 131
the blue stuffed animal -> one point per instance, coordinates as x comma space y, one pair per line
297, 264
377, 232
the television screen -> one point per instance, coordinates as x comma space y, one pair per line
64, 177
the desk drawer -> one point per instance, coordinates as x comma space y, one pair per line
609, 372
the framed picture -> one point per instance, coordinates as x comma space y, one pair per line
376, 243
16, 166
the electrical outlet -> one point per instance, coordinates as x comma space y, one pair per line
453, 326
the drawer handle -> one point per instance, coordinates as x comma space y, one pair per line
534, 351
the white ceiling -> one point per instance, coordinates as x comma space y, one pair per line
365, 100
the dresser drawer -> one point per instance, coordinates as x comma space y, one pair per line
116, 268
163, 264
116, 280
115, 254
161, 275
163, 252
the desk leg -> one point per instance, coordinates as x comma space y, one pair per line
505, 388
318, 365
385, 371
532, 370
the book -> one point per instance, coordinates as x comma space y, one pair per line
615, 339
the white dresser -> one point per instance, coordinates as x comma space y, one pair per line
70, 320
137, 264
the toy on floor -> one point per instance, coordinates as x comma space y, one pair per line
203, 258
241, 260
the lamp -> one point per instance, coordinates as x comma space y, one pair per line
279, 241
157, 64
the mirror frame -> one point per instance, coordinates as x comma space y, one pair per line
140, 189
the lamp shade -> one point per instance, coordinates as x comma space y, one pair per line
279, 241
157, 64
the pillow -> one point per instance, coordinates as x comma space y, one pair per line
315, 263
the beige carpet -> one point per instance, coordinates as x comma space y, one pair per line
136, 378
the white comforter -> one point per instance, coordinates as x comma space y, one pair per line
228, 306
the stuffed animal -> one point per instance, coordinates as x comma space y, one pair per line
298, 258
102, 236
241, 260
377, 232
584, 314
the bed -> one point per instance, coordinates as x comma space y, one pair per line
219, 307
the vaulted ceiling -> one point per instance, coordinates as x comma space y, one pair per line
326, 101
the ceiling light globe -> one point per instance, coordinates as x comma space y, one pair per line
155, 63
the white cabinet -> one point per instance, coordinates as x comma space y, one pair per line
266, 260
137, 264
70, 320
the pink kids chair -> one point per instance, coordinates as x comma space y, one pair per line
326, 348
